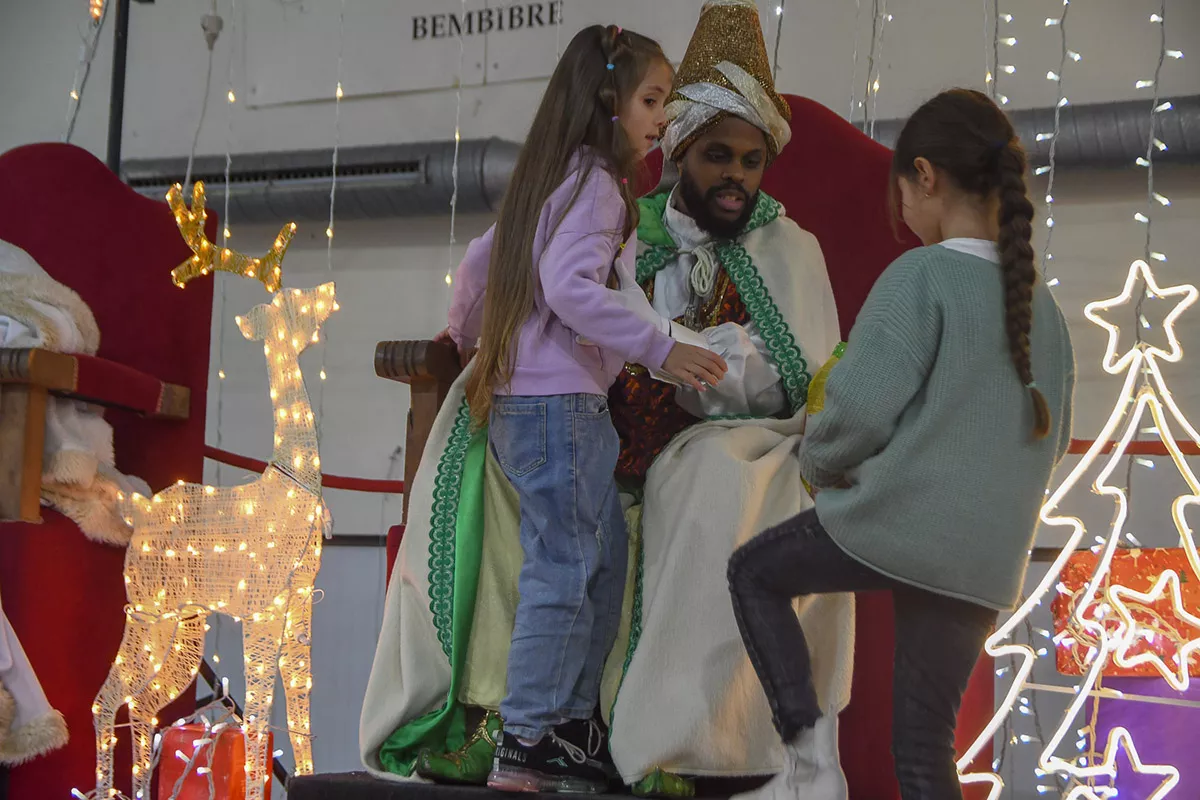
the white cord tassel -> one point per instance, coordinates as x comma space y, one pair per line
704, 272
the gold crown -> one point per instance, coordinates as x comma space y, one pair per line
728, 30
207, 257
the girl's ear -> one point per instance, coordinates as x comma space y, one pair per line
926, 175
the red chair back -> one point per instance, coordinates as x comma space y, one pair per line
64, 593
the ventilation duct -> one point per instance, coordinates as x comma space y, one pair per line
1100, 135
378, 182
388, 181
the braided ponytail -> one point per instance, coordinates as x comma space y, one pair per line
963, 134
1016, 264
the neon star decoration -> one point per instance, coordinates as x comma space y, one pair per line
1179, 676
207, 257
1140, 270
1103, 611
1120, 738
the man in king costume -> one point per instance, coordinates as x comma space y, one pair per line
702, 474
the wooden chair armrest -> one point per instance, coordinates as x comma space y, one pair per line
417, 360
429, 368
96, 380
48, 370
28, 376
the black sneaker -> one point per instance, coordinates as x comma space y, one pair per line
591, 736
554, 764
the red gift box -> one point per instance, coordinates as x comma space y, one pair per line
1136, 569
226, 757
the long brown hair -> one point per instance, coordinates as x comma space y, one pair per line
966, 136
579, 109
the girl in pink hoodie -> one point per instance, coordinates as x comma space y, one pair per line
532, 295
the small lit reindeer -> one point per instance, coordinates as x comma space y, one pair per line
251, 552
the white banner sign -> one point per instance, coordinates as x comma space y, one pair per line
392, 47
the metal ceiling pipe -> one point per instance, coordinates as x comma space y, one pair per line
1099, 135
413, 180
377, 182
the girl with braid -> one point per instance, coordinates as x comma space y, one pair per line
531, 295
940, 429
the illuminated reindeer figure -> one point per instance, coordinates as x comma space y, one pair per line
250, 552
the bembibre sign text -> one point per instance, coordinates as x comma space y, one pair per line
488, 20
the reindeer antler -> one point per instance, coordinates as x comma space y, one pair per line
268, 269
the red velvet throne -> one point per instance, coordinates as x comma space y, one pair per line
833, 181
64, 593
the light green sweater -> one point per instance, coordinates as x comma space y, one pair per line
927, 420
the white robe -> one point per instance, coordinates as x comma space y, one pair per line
690, 702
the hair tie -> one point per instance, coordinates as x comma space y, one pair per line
610, 66
615, 118
1031, 385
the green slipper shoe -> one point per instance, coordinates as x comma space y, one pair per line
471, 763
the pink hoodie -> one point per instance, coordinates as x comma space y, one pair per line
572, 264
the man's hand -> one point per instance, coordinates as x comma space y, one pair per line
694, 366
465, 354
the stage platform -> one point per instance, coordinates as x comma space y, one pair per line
361, 786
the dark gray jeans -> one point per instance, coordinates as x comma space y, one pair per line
938, 640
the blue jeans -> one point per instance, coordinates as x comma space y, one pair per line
559, 453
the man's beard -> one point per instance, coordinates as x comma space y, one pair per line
699, 206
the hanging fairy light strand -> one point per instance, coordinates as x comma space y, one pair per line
337, 134
457, 142
992, 76
865, 102
1051, 168
230, 98
333, 185
992, 43
880, 19
90, 41
1029, 708
854, 71
1153, 198
779, 12
987, 46
220, 279
1153, 143
558, 32
211, 25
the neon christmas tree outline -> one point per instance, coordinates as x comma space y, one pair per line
1141, 356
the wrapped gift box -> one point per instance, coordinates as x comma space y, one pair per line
226, 757
1136, 569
